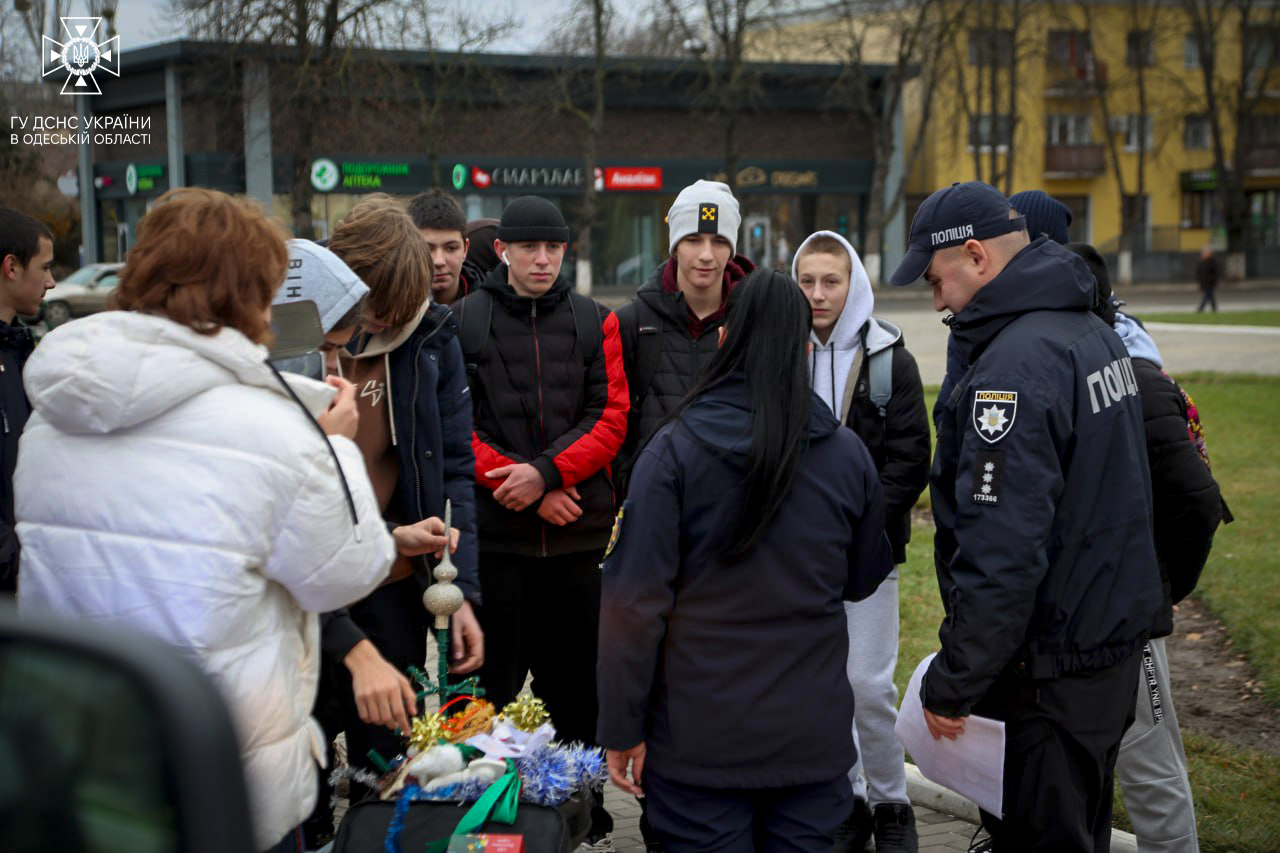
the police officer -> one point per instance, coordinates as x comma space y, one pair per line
1042, 502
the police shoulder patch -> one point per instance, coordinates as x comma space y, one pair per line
994, 413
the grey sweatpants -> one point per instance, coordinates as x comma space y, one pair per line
879, 775
1152, 768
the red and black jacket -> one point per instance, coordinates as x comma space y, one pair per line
538, 397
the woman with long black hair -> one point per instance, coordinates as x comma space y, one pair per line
751, 516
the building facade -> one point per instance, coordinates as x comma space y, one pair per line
487, 127
1101, 103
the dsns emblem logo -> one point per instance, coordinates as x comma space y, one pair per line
81, 56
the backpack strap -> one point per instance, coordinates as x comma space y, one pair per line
880, 373
648, 347
474, 320
587, 327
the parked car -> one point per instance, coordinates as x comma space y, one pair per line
83, 292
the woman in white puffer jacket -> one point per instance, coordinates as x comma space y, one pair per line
168, 482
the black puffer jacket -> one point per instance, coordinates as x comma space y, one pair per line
539, 398
899, 439
1185, 497
658, 309
15, 346
1041, 492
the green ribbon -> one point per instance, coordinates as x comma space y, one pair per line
498, 804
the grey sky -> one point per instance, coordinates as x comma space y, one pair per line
143, 21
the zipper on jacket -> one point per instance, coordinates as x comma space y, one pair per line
413, 433
537, 361
391, 418
542, 426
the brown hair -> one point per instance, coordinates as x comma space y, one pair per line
380, 243
824, 245
205, 260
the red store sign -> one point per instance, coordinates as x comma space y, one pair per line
633, 178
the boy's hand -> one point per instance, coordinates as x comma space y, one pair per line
559, 506
342, 417
383, 695
521, 485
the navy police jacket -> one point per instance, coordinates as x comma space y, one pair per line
1040, 486
734, 675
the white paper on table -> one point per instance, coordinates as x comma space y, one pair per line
972, 765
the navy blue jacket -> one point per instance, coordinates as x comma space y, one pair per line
15, 346
734, 675
1041, 492
431, 404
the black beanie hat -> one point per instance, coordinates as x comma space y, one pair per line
1044, 213
1105, 304
530, 218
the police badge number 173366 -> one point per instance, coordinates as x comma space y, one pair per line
993, 416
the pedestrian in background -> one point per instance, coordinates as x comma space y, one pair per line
441, 222
26, 258
1207, 276
1187, 507
752, 516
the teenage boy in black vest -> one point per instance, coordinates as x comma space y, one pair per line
550, 402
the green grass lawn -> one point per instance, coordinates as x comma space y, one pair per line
1220, 318
1237, 792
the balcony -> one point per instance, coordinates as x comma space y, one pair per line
1081, 79
1262, 160
1065, 162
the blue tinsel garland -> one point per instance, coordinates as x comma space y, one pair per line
549, 776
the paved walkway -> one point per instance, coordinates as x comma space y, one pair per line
939, 833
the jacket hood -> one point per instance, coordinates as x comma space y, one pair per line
1137, 341
721, 418
857, 307
469, 277
318, 274
1043, 276
881, 334
372, 346
119, 369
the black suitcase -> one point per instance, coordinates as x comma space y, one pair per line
545, 829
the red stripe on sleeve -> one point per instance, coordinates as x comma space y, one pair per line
602, 442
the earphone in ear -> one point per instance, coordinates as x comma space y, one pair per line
505, 259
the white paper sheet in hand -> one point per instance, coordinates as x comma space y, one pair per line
972, 765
